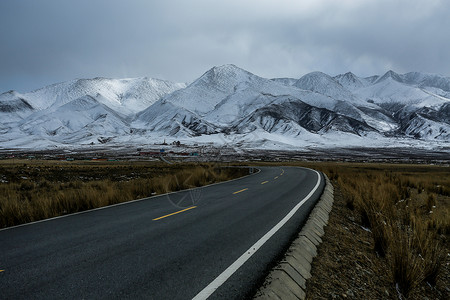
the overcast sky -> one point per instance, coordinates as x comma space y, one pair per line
48, 41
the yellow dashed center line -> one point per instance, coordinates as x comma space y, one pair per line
2, 271
240, 191
177, 212
276, 177
264, 182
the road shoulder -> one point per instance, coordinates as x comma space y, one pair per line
288, 279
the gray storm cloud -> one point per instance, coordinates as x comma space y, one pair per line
49, 41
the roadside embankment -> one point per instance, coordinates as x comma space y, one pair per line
288, 279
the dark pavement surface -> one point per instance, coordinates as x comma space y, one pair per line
122, 252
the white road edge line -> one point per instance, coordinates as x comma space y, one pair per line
216, 283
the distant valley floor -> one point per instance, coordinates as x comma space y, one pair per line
234, 154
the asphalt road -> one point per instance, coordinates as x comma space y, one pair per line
217, 241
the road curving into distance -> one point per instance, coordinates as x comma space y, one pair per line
215, 242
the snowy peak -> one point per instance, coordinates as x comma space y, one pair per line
318, 82
80, 119
12, 101
421, 80
13, 107
220, 85
127, 95
393, 90
428, 80
225, 78
390, 75
350, 81
315, 81
85, 103
418, 79
324, 84
11, 94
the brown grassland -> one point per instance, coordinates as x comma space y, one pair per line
405, 208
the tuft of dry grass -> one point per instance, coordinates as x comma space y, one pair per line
399, 207
396, 207
416, 256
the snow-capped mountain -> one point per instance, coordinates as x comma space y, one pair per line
231, 105
126, 95
77, 112
324, 84
351, 82
79, 119
13, 107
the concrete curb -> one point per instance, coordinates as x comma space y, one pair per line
288, 279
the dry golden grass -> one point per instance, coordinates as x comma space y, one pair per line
406, 209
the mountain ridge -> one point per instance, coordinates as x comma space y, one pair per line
228, 104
